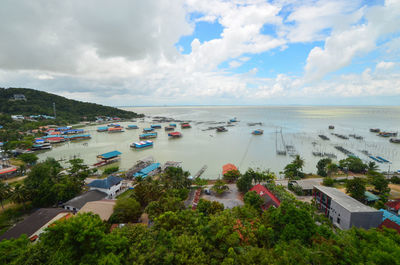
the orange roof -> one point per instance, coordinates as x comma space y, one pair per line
228, 167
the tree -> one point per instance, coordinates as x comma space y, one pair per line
20, 194
328, 181
165, 204
4, 193
175, 178
245, 182
356, 188
127, 210
372, 166
353, 164
379, 181
209, 207
321, 166
231, 175
252, 199
299, 162
28, 158
219, 187
293, 171
331, 169
147, 191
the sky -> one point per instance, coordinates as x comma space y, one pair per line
204, 52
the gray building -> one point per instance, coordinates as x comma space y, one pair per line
75, 204
345, 211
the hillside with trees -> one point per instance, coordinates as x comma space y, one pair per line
41, 103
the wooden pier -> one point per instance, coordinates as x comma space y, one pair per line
201, 171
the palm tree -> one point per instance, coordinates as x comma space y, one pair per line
298, 161
19, 194
372, 166
4, 193
331, 168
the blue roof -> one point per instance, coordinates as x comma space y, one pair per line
147, 134
370, 196
148, 129
390, 216
147, 170
132, 126
102, 128
105, 183
1, 127
110, 154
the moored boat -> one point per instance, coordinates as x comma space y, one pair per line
132, 126
221, 129
258, 132
115, 129
102, 129
148, 135
42, 146
155, 126
175, 134
172, 124
395, 140
388, 134
331, 127
146, 130
185, 125
233, 120
55, 140
77, 137
169, 128
142, 144
108, 158
375, 130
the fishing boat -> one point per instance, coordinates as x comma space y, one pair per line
394, 140
375, 159
375, 130
55, 140
331, 127
383, 159
388, 134
185, 125
142, 144
114, 125
102, 129
115, 129
148, 135
175, 135
169, 128
77, 137
108, 158
155, 126
258, 132
42, 146
172, 124
132, 126
146, 130
74, 131
233, 120
221, 129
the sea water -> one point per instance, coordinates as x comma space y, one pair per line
297, 126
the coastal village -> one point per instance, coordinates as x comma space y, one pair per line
343, 195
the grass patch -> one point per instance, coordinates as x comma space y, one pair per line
125, 194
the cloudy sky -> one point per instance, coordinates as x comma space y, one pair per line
167, 52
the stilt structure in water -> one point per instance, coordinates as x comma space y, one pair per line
278, 151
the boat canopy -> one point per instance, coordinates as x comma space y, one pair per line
147, 134
109, 154
132, 126
174, 134
148, 129
102, 128
147, 170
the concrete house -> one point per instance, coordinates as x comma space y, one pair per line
269, 198
345, 211
75, 204
110, 185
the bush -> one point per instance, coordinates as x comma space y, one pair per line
395, 180
329, 182
111, 170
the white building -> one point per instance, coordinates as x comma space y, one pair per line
345, 211
110, 185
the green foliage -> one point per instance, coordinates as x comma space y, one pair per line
5, 192
395, 180
379, 181
245, 182
297, 190
232, 175
219, 187
331, 169
175, 178
200, 182
356, 188
147, 191
71, 111
28, 158
353, 164
329, 182
293, 171
321, 166
111, 170
252, 199
126, 210
209, 207
165, 204
12, 249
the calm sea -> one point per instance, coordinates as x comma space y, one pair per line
293, 126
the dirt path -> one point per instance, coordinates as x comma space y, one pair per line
11, 180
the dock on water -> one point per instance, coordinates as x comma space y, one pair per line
200, 172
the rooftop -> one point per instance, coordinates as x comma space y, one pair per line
32, 223
110, 154
307, 184
147, 170
345, 200
390, 216
103, 208
263, 191
79, 201
228, 167
105, 183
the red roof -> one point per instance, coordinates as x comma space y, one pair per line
228, 167
263, 191
8, 170
390, 224
394, 204
174, 134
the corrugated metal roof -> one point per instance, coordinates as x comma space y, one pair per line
147, 170
390, 216
370, 196
105, 183
110, 154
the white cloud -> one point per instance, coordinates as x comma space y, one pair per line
385, 65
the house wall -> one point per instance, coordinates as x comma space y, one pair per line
337, 211
366, 219
111, 191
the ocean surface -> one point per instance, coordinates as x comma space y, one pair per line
295, 126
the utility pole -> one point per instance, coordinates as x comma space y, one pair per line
54, 110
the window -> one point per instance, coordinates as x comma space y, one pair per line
338, 220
